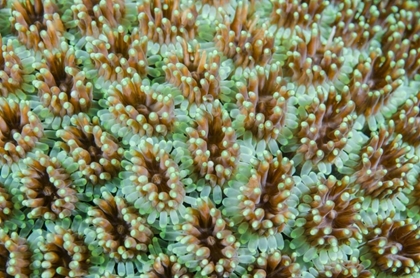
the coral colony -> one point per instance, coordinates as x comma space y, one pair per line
209, 138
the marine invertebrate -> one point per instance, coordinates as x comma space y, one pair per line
198, 74
342, 268
15, 257
314, 61
48, 184
6, 204
205, 242
117, 54
393, 247
330, 212
383, 170
266, 105
117, 229
246, 41
97, 152
20, 132
406, 119
15, 69
211, 138
153, 181
163, 21
287, 14
91, 15
260, 207
64, 253
375, 84
323, 134
212, 144
37, 23
136, 107
275, 264
62, 86
166, 265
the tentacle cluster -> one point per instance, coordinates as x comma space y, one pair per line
394, 247
265, 105
153, 181
15, 69
206, 244
97, 152
163, 21
212, 144
138, 108
244, 40
37, 23
64, 253
197, 73
328, 123
117, 228
260, 208
275, 264
15, 258
329, 220
385, 168
48, 185
20, 132
62, 86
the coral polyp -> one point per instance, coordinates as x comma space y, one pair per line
260, 207
209, 138
20, 132
118, 229
15, 256
205, 242
394, 247
153, 182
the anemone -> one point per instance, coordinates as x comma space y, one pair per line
97, 152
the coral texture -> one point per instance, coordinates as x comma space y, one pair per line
209, 138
